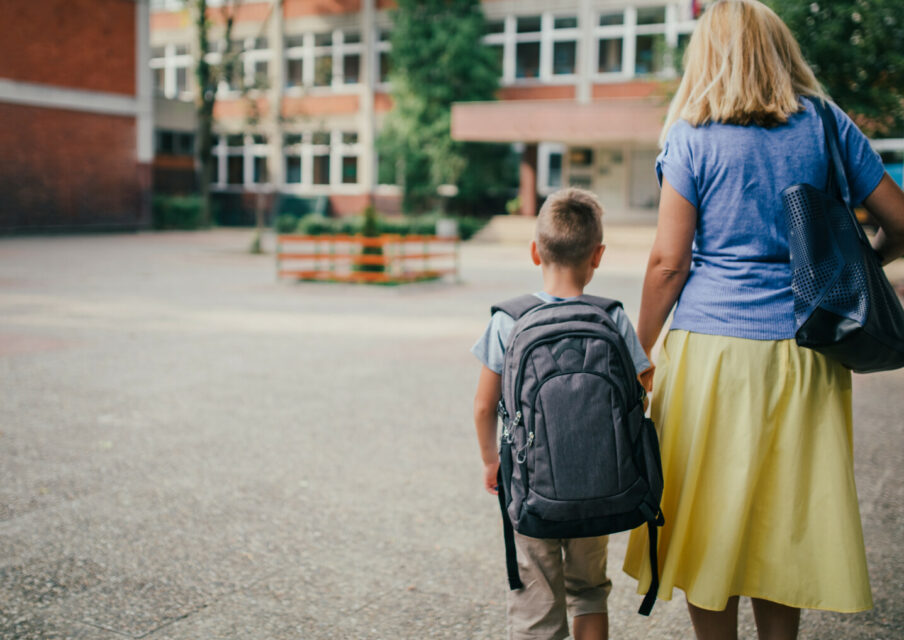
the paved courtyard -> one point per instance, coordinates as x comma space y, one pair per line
190, 449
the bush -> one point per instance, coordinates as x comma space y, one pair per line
286, 223
316, 225
176, 212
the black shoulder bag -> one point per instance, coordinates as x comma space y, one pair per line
844, 305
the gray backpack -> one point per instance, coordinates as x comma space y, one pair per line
578, 458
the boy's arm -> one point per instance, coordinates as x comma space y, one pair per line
489, 389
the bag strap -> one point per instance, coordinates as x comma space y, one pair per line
654, 521
606, 304
837, 183
517, 307
837, 180
511, 558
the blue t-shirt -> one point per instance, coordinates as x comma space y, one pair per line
490, 347
740, 279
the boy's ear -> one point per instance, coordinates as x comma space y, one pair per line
534, 252
598, 255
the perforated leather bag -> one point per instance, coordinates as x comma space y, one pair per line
844, 306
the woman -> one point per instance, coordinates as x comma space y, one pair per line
756, 432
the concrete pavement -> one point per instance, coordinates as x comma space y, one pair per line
192, 450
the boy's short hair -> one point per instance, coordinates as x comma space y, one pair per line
569, 227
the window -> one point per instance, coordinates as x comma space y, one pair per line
181, 80
259, 152
565, 45
495, 26
293, 169
383, 47
240, 159
321, 157
255, 63
655, 34
351, 57
350, 170
349, 154
235, 159
323, 59
170, 69
292, 151
528, 24
527, 47
650, 15
610, 55
554, 179
176, 143
159, 81
295, 60
535, 47
527, 60
294, 72
650, 54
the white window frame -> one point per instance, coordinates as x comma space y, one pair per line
544, 151
336, 150
251, 56
678, 21
380, 47
308, 53
247, 59
171, 62
551, 35
249, 151
546, 37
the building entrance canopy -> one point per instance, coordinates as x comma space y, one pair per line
610, 121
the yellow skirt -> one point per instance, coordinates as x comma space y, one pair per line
759, 494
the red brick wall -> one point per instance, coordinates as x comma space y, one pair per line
296, 8
319, 105
539, 92
67, 169
83, 44
347, 205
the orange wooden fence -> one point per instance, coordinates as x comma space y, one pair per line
341, 258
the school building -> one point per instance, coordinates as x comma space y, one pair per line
76, 124
581, 96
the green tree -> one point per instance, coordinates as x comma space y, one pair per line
438, 58
208, 76
856, 49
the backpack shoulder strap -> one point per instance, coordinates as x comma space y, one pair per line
606, 304
517, 307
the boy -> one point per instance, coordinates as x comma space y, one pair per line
568, 574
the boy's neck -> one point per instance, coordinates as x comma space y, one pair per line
563, 282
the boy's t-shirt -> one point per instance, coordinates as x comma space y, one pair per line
490, 347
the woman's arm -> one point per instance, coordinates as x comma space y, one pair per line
669, 264
886, 205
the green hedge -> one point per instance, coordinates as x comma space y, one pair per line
317, 225
176, 212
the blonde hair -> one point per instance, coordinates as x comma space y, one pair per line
569, 227
742, 66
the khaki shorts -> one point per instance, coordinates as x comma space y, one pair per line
560, 577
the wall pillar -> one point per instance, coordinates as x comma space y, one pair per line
527, 190
144, 113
